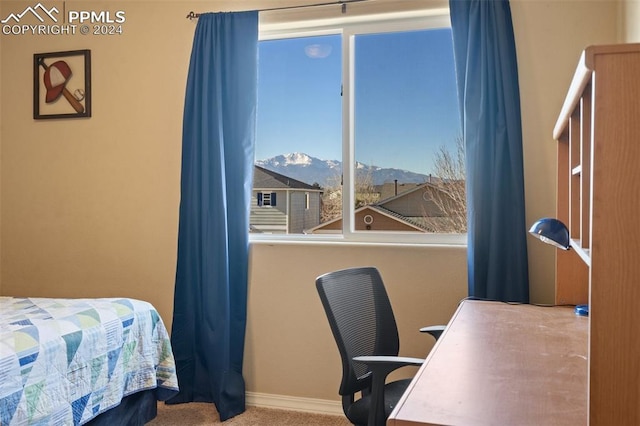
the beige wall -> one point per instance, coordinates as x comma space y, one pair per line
290, 350
549, 38
89, 207
630, 17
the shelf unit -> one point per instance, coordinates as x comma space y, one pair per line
598, 135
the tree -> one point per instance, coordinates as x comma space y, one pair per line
365, 190
332, 199
365, 194
448, 191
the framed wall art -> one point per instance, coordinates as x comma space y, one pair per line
62, 84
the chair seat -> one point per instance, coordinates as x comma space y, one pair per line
359, 410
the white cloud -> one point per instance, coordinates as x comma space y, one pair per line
317, 51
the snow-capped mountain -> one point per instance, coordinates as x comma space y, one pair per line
313, 170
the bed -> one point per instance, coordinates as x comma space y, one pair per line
82, 361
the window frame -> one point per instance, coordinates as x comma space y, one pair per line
349, 28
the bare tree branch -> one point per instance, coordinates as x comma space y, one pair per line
448, 191
332, 198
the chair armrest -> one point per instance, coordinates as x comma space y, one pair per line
391, 362
380, 367
434, 330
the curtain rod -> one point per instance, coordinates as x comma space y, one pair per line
194, 15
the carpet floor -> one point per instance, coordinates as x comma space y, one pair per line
203, 414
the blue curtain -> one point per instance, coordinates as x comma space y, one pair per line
487, 75
218, 141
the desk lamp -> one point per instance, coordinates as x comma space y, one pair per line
551, 231
554, 232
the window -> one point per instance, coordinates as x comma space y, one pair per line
266, 199
364, 115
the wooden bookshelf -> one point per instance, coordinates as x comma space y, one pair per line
598, 134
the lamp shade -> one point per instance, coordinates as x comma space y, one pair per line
551, 231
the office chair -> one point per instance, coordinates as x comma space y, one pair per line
365, 330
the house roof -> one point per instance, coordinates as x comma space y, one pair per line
379, 209
407, 192
267, 179
408, 220
391, 189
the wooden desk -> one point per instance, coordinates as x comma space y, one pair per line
502, 364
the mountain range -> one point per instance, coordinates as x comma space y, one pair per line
312, 170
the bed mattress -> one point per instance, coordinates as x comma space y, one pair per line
65, 361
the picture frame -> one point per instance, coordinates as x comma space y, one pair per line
62, 84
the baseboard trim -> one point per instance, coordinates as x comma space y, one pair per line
283, 402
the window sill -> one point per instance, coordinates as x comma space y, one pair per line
433, 240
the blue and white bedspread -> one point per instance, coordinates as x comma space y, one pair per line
64, 361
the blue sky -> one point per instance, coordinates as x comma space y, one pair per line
406, 101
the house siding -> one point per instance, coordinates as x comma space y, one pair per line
269, 219
302, 218
416, 204
378, 222
288, 216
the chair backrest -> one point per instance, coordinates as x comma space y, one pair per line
361, 319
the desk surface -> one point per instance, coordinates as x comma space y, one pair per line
502, 364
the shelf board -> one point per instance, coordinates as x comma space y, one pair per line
584, 253
577, 170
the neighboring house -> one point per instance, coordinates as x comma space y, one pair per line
415, 205
391, 189
282, 205
371, 217
411, 210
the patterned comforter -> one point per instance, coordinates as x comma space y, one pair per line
64, 361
